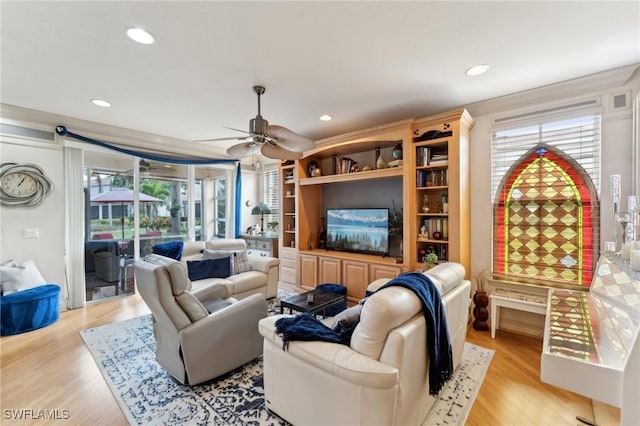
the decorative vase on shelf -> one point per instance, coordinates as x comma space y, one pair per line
480, 312
426, 202
380, 163
397, 152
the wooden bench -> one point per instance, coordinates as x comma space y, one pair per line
519, 300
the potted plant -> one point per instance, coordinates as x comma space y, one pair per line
273, 227
395, 221
395, 230
430, 260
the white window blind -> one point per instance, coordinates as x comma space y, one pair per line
271, 193
577, 137
539, 211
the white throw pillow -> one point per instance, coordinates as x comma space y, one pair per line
241, 262
20, 277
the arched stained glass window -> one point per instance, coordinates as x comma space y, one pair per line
546, 216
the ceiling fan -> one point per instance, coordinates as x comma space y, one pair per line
146, 168
272, 141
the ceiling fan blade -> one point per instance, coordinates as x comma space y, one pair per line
239, 138
279, 153
243, 149
290, 140
238, 130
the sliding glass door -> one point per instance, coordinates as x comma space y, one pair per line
163, 214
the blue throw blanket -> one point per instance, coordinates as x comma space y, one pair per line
438, 344
306, 327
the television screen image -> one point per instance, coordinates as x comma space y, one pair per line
358, 230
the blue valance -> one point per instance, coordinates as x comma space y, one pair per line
62, 131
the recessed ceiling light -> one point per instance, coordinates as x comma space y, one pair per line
477, 70
140, 35
326, 117
101, 103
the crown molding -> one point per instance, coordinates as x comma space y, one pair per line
592, 83
40, 120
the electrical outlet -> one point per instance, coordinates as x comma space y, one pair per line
31, 232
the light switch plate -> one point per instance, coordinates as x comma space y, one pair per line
31, 232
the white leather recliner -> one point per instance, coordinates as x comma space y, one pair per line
202, 334
382, 377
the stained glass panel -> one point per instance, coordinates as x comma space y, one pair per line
544, 220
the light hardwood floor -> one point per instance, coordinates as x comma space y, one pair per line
51, 368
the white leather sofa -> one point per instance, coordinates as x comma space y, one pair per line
263, 279
382, 377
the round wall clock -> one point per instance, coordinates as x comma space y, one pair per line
23, 184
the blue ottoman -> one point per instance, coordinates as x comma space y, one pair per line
29, 309
338, 289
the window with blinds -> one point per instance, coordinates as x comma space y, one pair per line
546, 214
271, 193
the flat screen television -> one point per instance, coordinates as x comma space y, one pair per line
358, 230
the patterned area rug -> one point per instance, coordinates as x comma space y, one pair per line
125, 354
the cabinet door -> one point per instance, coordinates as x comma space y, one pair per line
289, 266
288, 274
330, 270
308, 271
383, 271
356, 278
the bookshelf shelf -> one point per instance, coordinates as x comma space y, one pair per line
352, 177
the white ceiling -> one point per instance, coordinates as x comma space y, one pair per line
365, 63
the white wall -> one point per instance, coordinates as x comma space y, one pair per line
616, 152
47, 251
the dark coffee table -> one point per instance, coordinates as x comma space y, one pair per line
321, 301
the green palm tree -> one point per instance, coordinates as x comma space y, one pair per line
155, 188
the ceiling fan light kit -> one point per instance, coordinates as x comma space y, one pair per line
272, 141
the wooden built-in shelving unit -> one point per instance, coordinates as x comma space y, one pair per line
448, 177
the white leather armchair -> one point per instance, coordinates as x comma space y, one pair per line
382, 377
202, 334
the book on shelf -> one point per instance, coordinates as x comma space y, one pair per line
395, 163
343, 165
422, 156
440, 157
440, 225
440, 251
426, 156
426, 178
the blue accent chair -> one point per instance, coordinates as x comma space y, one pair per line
29, 310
